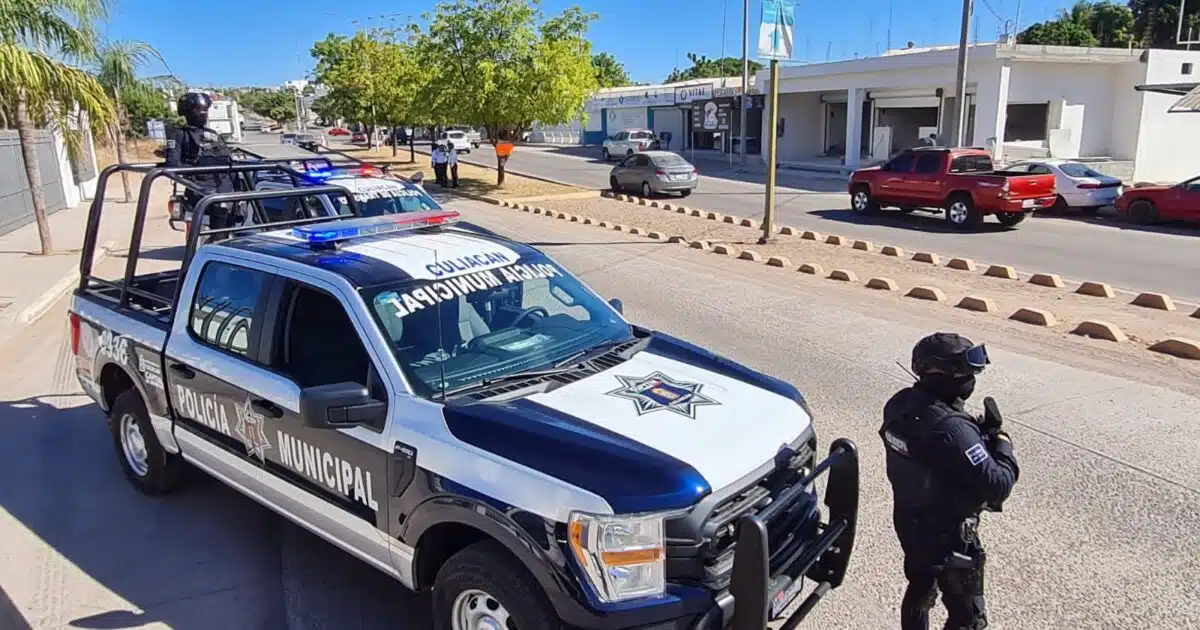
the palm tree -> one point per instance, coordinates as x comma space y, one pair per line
40, 86
117, 63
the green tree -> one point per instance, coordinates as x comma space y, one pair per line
704, 68
1112, 24
1156, 22
398, 82
1085, 24
609, 71
1057, 33
38, 84
500, 65
116, 68
144, 103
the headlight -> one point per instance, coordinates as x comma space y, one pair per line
622, 556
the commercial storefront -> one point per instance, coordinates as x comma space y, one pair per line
713, 116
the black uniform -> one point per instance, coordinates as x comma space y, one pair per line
945, 467
194, 144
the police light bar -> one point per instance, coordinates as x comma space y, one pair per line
369, 226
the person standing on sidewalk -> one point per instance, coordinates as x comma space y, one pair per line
440, 161
452, 157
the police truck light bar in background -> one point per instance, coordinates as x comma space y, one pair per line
368, 226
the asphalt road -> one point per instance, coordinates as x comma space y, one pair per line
1100, 533
1159, 258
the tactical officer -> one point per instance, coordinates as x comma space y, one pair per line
945, 467
196, 145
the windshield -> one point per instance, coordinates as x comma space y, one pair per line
391, 199
1075, 169
460, 330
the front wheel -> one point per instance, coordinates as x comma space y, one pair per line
1143, 212
646, 192
961, 213
604, 154
862, 202
1010, 219
482, 586
146, 464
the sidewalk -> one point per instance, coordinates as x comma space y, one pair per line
31, 283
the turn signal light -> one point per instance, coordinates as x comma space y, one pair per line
74, 319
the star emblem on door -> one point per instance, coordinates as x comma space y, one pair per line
657, 391
251, 432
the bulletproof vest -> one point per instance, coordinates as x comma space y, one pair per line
910, 418
211, 149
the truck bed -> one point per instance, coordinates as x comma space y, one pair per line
151, 295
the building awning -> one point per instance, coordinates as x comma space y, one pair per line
1190, 93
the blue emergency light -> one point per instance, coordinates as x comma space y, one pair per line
322, 233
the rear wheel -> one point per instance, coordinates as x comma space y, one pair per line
684, 193
862, 202
961, 213
1143, 211
146, 464
1010, 219
1060, 205
482, 587
613, 185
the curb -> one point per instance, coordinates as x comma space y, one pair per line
1094, 329
43, 302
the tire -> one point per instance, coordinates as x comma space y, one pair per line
684, 193
1142, 211
862, 202
156, 471
1090, 211
486, 574
1060, 205
646, 192
961, 213
604, 154
1010, 219
612, 184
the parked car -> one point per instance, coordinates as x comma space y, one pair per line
1150, 204
961, 182
358, 137
653, 173
457, 140
629, 142
287, 138
338, 131
1078, 185
473, 136
310, 141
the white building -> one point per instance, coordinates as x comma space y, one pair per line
295, 85
1023, 101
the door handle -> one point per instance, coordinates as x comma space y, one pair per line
266, 408
183, 371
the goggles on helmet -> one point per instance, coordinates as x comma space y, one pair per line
976, 358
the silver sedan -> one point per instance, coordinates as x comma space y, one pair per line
653, 173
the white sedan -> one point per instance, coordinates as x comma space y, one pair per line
1077, 184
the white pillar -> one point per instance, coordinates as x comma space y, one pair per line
854, 123
991, 107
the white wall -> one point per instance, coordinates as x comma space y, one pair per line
1083, 92
802, 135
1168, 144
1126, 110
620, 119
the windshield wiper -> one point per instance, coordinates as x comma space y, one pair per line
515, 376
578, 356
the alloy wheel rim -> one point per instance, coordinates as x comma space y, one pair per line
958, 212
474, 609
860, 201
133, 445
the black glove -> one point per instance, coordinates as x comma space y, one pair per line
991, 422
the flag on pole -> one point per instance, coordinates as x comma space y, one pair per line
775, 30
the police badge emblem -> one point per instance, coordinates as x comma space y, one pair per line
657, 391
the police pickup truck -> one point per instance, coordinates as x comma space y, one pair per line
462, 413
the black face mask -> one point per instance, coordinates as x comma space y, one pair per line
198, 118
949, 388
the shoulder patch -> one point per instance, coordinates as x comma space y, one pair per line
170, 144
976, 454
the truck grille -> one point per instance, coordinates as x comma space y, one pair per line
705, 556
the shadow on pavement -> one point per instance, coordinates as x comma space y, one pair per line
1110, 218
204, 558
10, 617
917, 221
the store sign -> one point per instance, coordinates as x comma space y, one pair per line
693, 93
726, 92
649, 98
710, 116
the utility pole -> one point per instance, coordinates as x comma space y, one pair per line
745, 75
768, 224
960, 87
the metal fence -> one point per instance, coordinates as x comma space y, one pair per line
16, 204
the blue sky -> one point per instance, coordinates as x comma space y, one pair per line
265, 42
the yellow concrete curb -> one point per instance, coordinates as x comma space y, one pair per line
844, 275
864, 246
809, 235
926, 257
729, 218
1001, 271
653, 204
668, 206
715, 216
701, 245
589, 221
563, 215
697, 213
977, 304
811, 269
642, 201
1160, 301
684, 210
677, 239
788, 230
658, 236
1034, 316
891, 250
724, 250
749, 254
779, 261
933, 294
834, 239
962, 264
1197, 313
636, 231
883, 284
1178, 347
1046, 280
751, 223
1098, 329
1096, 289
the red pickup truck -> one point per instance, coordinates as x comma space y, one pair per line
962, 182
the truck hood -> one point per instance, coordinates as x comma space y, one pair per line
656, 432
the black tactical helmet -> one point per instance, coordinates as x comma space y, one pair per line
193, 106
948, 354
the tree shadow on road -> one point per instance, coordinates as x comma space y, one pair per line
1110, 218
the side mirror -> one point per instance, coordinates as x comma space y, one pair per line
617, 305
340, 405
417, 177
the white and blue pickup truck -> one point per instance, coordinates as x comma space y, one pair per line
462, 413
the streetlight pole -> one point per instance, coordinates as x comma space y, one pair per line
768, 224
960, 87
745, 75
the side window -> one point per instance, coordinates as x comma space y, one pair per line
624, 135
971, 164
224, 306
928, 163
1019, 168
901, 163
319, 345
281, 209
642, 161
1038, 169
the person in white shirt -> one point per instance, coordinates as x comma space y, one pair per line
440, 161
452, 155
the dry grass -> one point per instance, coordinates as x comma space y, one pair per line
137, 150
472, 179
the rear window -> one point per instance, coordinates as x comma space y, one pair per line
670, 160
971, 164
643, 135
1075, 169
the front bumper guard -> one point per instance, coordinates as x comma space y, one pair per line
754, 586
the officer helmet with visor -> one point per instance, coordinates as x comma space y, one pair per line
948, 355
